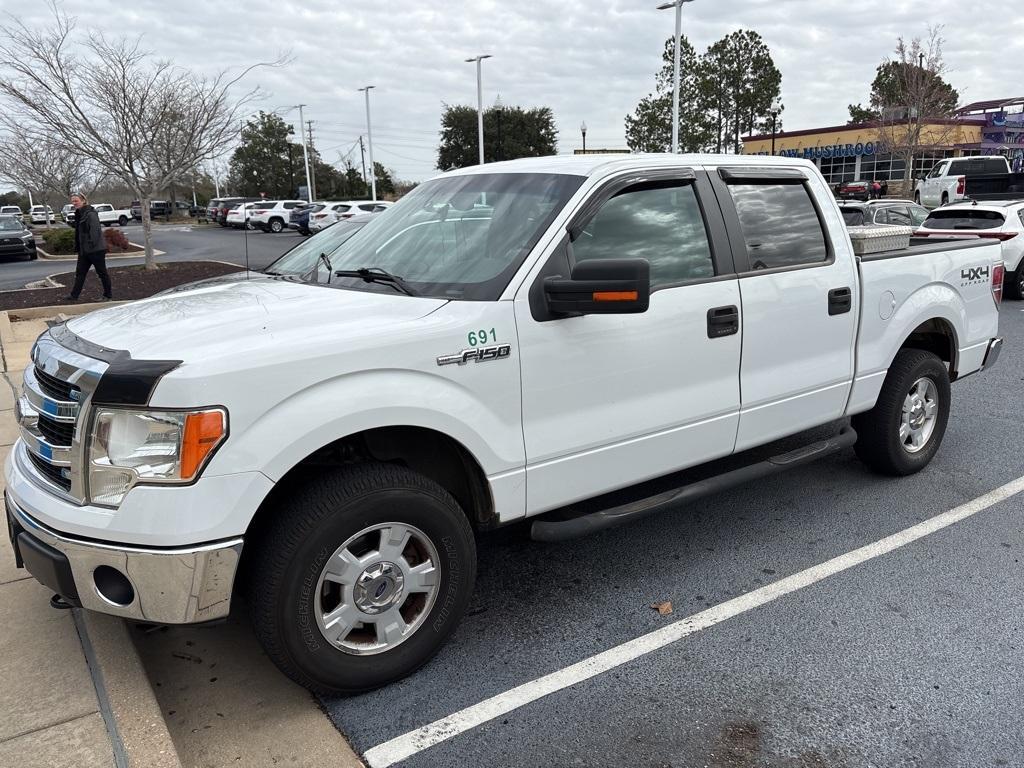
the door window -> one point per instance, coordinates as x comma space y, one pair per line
900, 216
780, 225
918, 214
661, 223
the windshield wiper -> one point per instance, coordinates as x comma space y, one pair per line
377, 275
324, 259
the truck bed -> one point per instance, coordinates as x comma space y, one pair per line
920, 246
995, 186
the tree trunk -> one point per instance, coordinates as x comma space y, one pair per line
147, 232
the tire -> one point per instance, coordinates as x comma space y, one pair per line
107, 223
122, 221
276, 226
945, 198
1014, 283
290, 592
880, 441
34, 256
917, 198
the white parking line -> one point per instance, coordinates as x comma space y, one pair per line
413, 742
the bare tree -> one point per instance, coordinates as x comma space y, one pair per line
145, 121
47, 169
914, 99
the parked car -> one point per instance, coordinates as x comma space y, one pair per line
947, 181
41, 214
158, 209
854, 190
902, 212
226, 204
272, 215
298, 219
11, 210
16, 240
334, 212
506, 342
109, 215
999, 221
68, 213
238, 216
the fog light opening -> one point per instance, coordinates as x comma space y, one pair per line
113, 586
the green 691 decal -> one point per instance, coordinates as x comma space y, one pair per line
481, 337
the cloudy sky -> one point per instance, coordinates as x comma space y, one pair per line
588, 61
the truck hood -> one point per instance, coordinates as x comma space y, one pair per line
222, 319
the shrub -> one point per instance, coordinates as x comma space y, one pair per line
59, 241
116, 241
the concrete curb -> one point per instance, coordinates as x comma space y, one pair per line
35, 313
134, 719
74, 257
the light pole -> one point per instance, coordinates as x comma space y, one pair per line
678, 5
775, 110
479, 101
583, 130
369, 141
305, 153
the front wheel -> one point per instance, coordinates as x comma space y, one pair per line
276, 225
361, 577
901, 434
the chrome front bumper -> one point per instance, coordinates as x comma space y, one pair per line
168, 586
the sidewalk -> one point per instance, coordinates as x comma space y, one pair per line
49, 711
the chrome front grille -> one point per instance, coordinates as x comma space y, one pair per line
53, 405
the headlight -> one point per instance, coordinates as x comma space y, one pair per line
130, 447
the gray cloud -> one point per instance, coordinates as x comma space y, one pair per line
588, 61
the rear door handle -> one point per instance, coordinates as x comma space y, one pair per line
840, 301
723, 321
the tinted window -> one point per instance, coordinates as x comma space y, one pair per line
663, 225
263, 206
918, 215
341, 208
977, 165
853, 217
289, 206
900, 216
963, 219
368, 207
780, 225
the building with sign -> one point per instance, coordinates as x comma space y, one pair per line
859, 151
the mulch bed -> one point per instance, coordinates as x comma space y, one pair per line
134, 282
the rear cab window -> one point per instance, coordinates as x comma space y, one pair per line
966, 219
853, 217
780, 224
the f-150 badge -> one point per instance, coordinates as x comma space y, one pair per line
478, 354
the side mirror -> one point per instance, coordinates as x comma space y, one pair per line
601, 287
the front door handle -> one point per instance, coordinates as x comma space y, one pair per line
723, 321
840, 301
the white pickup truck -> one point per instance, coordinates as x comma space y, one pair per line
947, 181
108, 215
562, 328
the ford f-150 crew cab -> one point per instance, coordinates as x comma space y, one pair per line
509, 341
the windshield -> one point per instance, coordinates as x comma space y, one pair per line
853, 217
301, 259
458, 237
9, 224
963, 219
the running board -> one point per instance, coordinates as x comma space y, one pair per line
562, 530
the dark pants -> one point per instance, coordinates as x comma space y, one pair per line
97, 261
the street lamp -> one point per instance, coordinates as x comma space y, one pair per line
678, 5
479, 101
583, 130
369, 141
305, 153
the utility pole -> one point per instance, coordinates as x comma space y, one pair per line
369, 143
678, 5
312, 175
362, 155
305, 153
479, 102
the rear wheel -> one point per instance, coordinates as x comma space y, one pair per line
901, 434
1015, 283
361, 577
917, 198
945, 198
123, 221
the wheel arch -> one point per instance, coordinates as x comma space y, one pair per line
938, 336
430, 452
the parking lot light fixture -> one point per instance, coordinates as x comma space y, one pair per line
479, 102
678, 5
305, 152
369, 142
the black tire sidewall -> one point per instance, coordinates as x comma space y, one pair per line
311, 653
929, 367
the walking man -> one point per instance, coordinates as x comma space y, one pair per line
90, 247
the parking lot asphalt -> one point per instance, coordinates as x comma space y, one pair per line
912, 658
179, 243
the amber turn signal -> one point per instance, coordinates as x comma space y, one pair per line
203, 432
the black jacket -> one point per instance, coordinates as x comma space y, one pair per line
88, 231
